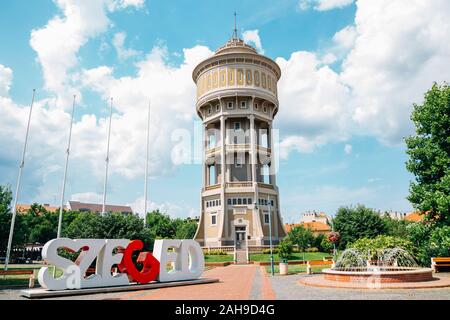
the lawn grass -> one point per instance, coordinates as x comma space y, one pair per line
219, 258
294, 269
21, 280
294, 256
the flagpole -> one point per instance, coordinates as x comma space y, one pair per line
107, 160
146, 166
65, 170
19, 178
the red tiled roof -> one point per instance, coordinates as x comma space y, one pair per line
22, 208
314, 226
414, 216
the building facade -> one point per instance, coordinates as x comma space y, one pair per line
97, 208
237, 102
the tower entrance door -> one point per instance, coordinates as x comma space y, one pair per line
240, 237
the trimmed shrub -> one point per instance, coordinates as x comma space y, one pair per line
267, 251
216, 253
382, 242
285, 249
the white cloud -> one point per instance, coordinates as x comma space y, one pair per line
348, 149
400, 49
5, 80
323, 5
328, 58
252, 37
119, 44
121, 4
392, 55
313, 104
172, 94
345, 38
45, 144
170, 87
58, 43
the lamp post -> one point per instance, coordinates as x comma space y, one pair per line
270, 237
146, 167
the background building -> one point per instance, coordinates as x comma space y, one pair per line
317, 222
237, 101
97, 208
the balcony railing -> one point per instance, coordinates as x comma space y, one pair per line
263, 150
239, 184
265, 185
212, 151
212, 187
231, 147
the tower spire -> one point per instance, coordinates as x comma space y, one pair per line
235, 35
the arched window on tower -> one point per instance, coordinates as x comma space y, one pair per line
212, 175
266, 174
264, 138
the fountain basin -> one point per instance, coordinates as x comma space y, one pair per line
380, 275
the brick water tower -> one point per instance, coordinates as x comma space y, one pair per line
237, 102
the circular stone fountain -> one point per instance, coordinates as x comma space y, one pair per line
382, 266
380, 269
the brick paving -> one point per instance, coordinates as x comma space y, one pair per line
236, 283
251, 282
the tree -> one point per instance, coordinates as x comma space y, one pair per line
396, 228
359, 222
5, 215
39, 225
301, 237
285, 249
161, 225
5, 222
429, 155
90, 225
186, 229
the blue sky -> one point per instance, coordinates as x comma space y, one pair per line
351, 72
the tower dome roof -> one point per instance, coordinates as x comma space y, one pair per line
235, 45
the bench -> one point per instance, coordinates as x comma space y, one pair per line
439, 262
19, 272
311, 263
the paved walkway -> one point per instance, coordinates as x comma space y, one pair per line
288, 288
237, 282
251, 282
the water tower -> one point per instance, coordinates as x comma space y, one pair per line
237, 102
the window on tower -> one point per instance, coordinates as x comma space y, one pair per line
213, 219
230, 105
266, 218
248, 77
